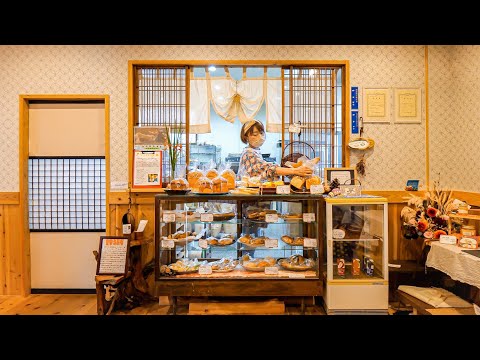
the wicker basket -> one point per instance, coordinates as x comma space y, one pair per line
297, 150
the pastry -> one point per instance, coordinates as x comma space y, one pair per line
297, 181
205, 185
211, 174
179, 184
220, 184
193, 177
313, 180
229, 175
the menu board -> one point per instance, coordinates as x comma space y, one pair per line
113, 255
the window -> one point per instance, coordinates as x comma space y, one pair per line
67, 193
312, 97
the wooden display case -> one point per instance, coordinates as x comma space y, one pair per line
174, 213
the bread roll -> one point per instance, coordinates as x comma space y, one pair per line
179, 184
297, 181
211, 174
205, 185
193, 177
313, 180
220, 185
229, 175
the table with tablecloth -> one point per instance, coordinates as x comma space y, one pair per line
454, 262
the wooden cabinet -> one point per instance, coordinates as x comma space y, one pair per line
256, 225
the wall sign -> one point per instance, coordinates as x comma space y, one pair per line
113, 255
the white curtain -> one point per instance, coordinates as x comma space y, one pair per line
274, 105
199, 107
234, 98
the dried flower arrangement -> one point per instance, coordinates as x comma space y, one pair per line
428, 217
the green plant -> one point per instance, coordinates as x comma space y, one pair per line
174, 140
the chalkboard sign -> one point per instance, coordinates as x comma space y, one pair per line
113, 255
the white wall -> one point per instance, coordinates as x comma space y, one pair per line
63, 260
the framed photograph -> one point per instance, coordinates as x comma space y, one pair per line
113, 255
376, 105
412, 185
408, 106
150, 138
345, 176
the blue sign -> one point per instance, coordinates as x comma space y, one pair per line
354, 97
354, 122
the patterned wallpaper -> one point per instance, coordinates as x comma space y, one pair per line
455, 75
398, 155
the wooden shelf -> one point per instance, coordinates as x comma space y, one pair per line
465, 216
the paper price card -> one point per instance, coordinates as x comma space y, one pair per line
202, 243
317, 189
271, 243
283, 189
296, 276
168, 244
271, 270
206, 217
205, 270
127, 229
168, 217
309, 242
309, 217
271, 218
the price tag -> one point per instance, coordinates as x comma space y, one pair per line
309, 217
204, 269
317, 189
271, 218
271, 270
168, 218
283, 189
271, 243
168, 244
206, 217
309, 242
127, 229
338, 233
295, 128
296, 276
203, 243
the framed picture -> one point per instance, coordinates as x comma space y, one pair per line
376, 105
345, 176
408, 106
412, 185
113, 255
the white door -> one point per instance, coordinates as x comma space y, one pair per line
64, 192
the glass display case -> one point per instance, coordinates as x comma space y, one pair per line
356, 256
238, 245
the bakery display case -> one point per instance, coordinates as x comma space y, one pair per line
356, 256
238, 245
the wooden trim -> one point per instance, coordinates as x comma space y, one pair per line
21, 238
472, 198
9, 198
346, 114
65, 97
24, 230
132, 63
131, 116
427, 137
394, 196
187, 117
107, 158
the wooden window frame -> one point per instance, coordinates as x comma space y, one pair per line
134, 64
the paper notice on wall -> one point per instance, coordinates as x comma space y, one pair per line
147, 167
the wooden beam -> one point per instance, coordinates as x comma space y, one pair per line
9, 198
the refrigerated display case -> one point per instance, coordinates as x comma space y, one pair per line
356, 256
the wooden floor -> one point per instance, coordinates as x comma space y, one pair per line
85, 304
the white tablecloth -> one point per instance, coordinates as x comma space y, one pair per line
457, 264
